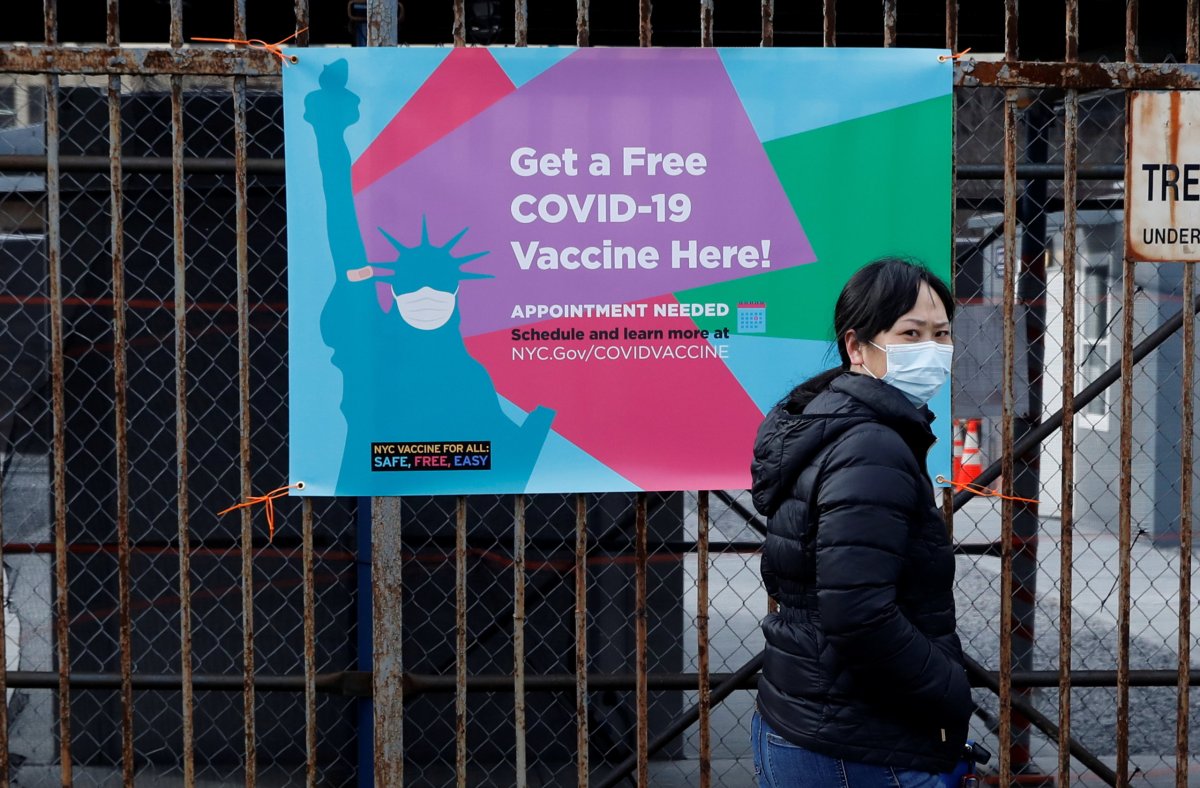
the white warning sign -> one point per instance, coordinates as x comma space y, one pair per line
1162, 177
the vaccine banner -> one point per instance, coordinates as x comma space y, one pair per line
586, 270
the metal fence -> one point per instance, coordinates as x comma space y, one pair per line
544, 639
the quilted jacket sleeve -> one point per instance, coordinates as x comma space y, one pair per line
866, 500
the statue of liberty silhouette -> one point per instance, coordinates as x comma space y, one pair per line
393, 327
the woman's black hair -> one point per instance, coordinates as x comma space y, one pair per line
877, 295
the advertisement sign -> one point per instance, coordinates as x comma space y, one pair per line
1162, 177
584, 270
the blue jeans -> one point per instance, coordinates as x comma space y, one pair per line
781, 764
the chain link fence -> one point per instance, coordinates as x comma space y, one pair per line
736, 598
1158, 393
212, 442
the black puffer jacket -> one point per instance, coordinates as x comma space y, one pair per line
862, 660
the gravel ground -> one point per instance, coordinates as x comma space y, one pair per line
1152, 710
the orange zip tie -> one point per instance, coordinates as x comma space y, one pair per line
983, 492
268, 503
955, 56
258, 43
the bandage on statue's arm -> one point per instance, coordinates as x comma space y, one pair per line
367, 272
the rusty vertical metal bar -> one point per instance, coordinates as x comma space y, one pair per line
1067, 502
581, 653
1187, 431
1066, 538
382, 23
952, 25
1010, 30
243, 322
58, 404
1124, 510
302, 22
460, 24
522, 777
176, 34
706, 23
310, 645
50, 21
1031, 296
120, 398
460, 641
1193, 31
583, 23
1124, 513
387, 581
521, 23
181, 413
239, 19
1131, 31
829, 36
1185, 541
644, 28
387, 659
1124, 524
640, 623
768, 23
702, 650
187, 716
1186, 469
1007, 624
889, 23
1185, 531
1008, 413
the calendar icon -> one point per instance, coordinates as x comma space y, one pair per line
752, 318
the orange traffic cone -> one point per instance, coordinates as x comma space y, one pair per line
958, 432
972, 462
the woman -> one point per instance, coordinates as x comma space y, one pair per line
863, 684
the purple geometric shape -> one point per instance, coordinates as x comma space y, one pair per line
595, 101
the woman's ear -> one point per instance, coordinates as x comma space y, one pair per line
853, 348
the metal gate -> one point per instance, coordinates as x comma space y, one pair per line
143, 389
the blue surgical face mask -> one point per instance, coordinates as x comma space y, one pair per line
918, 369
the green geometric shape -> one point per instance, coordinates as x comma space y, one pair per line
871, 187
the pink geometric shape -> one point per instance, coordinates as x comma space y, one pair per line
466, 83
637, 416
596, 103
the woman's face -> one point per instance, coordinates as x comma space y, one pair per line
925, 322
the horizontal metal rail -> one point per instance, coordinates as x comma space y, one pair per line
228, 62
152, 164
357, 683
484, 548
342, 683
1030, 172
138, 61
1081, 76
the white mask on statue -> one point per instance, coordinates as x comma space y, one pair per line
426, 308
